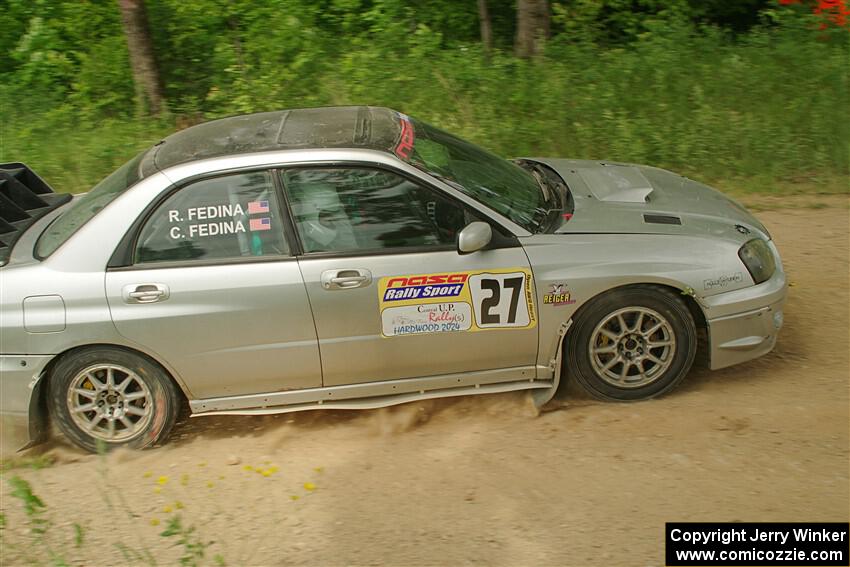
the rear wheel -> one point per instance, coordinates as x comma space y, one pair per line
632, 344
113, 397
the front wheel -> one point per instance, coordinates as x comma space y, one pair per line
112, 397
632, 344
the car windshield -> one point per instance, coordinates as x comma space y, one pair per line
82, 209
497, 183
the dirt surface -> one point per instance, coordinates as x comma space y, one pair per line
482, 480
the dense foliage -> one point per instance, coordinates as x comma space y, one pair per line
747, 90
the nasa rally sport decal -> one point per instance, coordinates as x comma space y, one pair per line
456, 301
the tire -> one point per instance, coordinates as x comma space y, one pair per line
132, 401
646, 330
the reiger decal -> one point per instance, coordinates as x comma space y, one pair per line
456, 301
723, 281
558, 295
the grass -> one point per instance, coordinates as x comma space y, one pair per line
44, 538
766, 113
34, 462
161, 516
73, 162
825, 184
74, 159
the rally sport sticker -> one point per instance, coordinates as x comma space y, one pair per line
456, 301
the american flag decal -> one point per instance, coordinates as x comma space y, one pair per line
257, 207
264, 223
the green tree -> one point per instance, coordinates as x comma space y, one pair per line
142, 57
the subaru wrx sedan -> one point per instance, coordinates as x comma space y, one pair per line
354, 257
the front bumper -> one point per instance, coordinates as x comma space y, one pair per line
744, 324
21, 417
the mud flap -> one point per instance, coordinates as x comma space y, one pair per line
541, 397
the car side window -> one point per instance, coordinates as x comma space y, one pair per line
227, 217
362, 209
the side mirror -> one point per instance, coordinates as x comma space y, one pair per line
474, 236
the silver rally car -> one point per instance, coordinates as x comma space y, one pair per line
354, 257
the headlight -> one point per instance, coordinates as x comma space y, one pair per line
758, 258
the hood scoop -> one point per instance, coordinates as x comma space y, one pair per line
661, 219
617, 183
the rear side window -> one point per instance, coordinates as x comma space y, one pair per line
228, 217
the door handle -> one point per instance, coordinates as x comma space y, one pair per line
346, 279
350, 281
145, 293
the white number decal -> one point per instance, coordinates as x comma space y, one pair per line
499, 300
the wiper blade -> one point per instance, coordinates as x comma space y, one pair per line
545, 188
549, 189
546, 218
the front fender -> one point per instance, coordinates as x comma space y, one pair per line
572, 270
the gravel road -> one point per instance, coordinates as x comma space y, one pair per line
484, 481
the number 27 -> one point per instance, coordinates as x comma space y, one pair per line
495, 289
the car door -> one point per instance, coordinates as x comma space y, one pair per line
215, 293
391, 296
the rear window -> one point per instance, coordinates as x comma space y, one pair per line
85, 207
